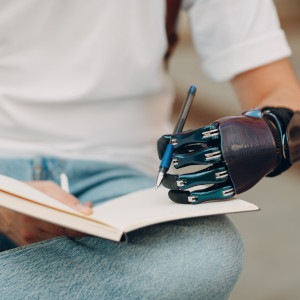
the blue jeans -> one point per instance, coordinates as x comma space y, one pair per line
198, 258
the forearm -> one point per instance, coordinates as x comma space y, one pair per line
273, 85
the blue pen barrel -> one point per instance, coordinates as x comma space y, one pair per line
167, 158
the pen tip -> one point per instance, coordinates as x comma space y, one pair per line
159, 180
160, 177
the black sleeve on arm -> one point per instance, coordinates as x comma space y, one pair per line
284, 116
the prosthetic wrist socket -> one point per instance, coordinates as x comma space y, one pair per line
285, 126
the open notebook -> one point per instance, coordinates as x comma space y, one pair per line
113, 218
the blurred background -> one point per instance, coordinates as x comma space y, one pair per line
271, 236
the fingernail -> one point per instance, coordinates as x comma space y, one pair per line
83, 208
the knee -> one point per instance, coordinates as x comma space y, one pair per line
198, 258
218, 256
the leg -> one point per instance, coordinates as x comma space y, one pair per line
191, 259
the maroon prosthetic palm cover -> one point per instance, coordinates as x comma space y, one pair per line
248, 148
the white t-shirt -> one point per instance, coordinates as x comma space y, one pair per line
85, 79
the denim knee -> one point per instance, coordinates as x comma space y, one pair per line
189, 259
199, 258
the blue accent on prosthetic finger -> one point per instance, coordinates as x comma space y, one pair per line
192, 90
254, 113
167, 158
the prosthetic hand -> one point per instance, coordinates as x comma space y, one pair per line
239, 151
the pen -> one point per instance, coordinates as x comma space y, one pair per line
64, 182
167, 157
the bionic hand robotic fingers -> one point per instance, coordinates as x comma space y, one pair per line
236, 152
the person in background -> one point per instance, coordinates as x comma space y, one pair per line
84, 91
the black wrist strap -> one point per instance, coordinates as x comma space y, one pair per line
280, 117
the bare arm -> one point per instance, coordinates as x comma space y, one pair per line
273, 85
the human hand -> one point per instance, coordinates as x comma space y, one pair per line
23, 230
240, 151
